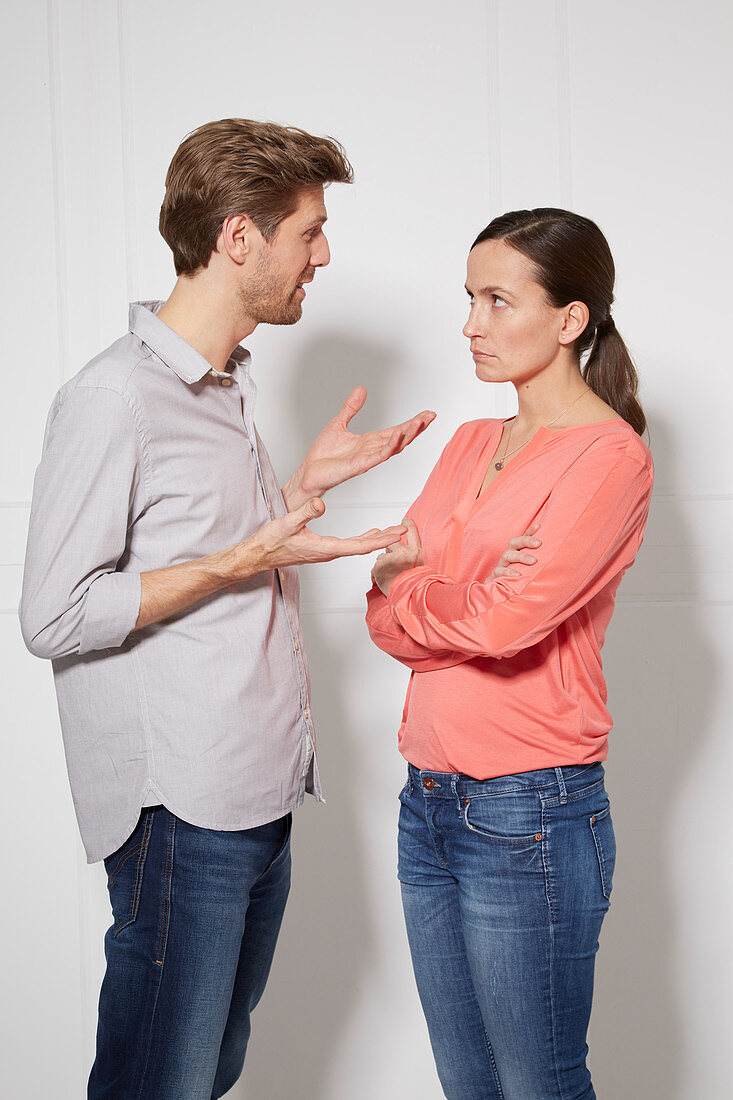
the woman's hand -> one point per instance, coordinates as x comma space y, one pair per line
406, 554
515, 553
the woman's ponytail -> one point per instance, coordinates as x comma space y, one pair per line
611, 374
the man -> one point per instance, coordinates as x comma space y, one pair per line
159, 579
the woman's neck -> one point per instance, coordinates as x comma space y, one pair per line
543, 399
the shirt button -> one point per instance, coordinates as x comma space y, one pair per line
269, 508
307, 713
226, 381
296, 647
428, 783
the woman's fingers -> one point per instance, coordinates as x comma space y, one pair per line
510, 556
521, 541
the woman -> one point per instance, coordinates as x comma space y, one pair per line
506, 847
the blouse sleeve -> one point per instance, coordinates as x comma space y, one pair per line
384, 629
592, 526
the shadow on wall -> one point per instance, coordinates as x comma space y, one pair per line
327, 944
663, 675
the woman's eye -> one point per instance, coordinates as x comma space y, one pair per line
498, 301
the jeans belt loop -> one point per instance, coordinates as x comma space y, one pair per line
561, 784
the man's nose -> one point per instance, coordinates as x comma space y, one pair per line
321, 254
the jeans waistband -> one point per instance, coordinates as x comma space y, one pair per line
558, 781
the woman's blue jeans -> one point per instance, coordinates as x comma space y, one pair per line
505, 883
196, 917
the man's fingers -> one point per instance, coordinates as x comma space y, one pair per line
312, 509
351, 406
364, 544
411, 429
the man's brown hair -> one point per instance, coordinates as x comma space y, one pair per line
237, 166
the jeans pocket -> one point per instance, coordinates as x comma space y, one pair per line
601, 828
125, 873
284, 845
406, 791
507, 819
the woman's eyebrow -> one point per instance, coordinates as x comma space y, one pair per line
488, 290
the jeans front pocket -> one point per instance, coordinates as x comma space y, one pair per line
601, 828
125, 873
513, 819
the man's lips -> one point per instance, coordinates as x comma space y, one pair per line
300, 285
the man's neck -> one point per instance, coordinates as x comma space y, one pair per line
206, 318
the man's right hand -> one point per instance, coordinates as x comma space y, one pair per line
287, 541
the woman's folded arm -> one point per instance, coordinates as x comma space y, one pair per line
592, 525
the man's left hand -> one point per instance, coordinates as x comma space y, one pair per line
338, 454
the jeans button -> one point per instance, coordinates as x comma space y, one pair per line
428, 783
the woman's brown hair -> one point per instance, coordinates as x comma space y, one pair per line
573, 263
238, 166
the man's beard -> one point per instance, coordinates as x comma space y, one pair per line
266, 300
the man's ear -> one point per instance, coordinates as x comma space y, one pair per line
237, 238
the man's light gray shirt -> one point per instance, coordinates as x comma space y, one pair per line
151, 459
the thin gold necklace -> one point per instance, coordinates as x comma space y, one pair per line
507, 453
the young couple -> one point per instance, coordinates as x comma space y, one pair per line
161, 580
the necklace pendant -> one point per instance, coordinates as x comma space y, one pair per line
499, 465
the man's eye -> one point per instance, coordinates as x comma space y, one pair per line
498, 300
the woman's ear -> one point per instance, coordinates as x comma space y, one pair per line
575, 321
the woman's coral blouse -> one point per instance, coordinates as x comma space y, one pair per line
507, 673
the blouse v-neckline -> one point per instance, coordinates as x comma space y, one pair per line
492, 441
487, 452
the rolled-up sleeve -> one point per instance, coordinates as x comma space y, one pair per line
89, 487
592, 526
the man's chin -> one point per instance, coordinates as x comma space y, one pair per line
283, 317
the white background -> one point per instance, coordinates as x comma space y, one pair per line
451, 113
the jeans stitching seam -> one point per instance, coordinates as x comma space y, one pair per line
546, 869
494, 1067
600, 857
142, 851
141, 863
280, 851
555, 1065
169, 862
133, 852
167, 884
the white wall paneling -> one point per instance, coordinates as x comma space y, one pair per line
451, 114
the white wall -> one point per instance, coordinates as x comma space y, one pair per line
451, 113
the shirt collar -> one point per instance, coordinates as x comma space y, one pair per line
172, 349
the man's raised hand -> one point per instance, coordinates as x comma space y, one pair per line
337, 454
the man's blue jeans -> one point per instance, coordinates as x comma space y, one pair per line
196, 917
505, 883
